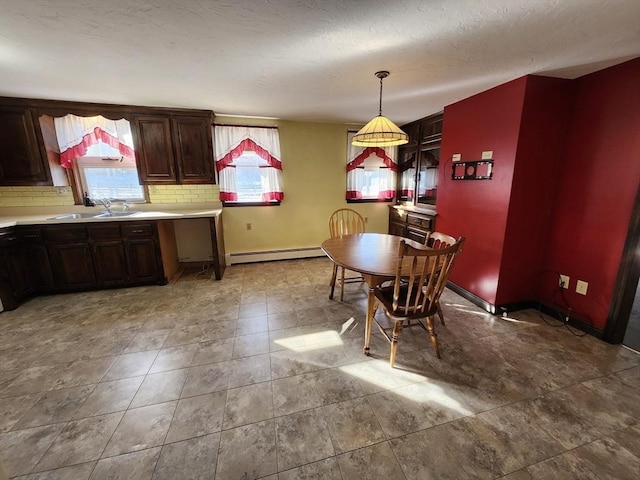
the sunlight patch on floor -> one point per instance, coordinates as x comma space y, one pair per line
379, 373
311, 341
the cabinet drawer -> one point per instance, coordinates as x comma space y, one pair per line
104, 232
419, 221
31, 234
138, 230
417, 235
66, 233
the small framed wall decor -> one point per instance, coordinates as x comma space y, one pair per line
474, 170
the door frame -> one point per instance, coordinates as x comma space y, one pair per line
626, 281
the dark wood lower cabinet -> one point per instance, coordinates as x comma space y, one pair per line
24, 265
108, 254
142, 260
110, 263
72, 266
15, 260
62, 258
409, 223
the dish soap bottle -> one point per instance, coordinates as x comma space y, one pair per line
87, 201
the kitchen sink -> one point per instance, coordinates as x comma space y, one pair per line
72, 216
75, 216
116, 214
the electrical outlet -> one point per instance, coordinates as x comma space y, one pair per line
456, 157
563, 281
581, 287
248, 226
487, 155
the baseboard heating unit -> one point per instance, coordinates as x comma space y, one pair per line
270, 255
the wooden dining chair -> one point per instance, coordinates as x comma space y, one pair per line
344, 221
421, 276
439, 240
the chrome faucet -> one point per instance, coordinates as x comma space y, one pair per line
106, 202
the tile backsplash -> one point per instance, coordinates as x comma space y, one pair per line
61, 196
183, 193
35, 196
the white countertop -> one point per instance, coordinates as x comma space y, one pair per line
45, 215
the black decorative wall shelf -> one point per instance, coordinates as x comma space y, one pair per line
474, 170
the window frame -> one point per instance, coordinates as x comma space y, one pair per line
350, 133
232, 203
89, 161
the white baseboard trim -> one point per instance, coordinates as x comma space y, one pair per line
271, 255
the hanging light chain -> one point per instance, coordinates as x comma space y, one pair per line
381, 75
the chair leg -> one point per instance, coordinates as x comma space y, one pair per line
372, 308
394, 343
440, 314
432, 334
342, 284
333, 279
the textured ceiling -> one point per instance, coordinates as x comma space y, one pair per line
302, 59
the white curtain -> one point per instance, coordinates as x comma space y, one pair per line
231, 142
75, 134
382, 158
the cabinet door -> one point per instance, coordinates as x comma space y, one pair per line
110, 263
20, 160
154, 149
16, 262
407, 166
142, 260
413, 130
396, 228
192, 138
431, 131
427, 187
72, 266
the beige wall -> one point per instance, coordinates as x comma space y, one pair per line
313, 164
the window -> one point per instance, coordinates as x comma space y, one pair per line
248, 164
104, 175
371, 172
100, 152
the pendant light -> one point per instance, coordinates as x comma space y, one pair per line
380, 132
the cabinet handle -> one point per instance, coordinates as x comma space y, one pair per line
33, 235
137, 231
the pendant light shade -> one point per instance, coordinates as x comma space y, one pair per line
380, 132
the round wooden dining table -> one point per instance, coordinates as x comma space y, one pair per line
373, 255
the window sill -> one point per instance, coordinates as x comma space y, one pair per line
250, 204
369, 200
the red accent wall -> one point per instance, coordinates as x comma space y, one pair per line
478, 210
597, 188
539, 160
566, 173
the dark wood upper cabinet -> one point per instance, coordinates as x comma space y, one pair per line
154, 149
174, 149
418, 162
21, 161
413, 130
431, 130
172, 145
194, 158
